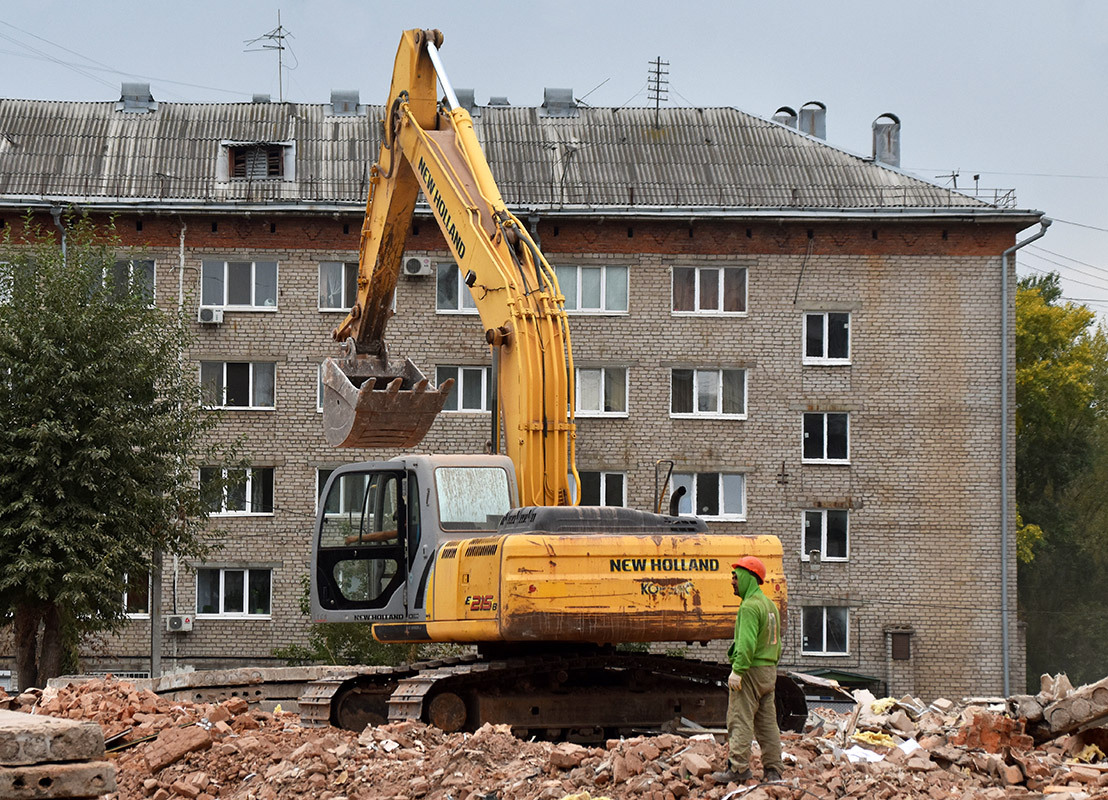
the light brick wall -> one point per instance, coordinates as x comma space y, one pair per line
922, 392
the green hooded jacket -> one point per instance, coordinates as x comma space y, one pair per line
757, 628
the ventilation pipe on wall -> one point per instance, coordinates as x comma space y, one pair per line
56, 213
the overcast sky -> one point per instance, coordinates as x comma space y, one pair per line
1010, 90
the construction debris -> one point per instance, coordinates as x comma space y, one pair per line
45, 757
974, 749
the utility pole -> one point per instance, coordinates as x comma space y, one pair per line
658, 85
278, 36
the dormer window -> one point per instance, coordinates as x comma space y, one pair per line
257, 161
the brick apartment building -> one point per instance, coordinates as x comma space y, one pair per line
814, 338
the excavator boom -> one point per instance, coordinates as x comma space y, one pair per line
369, 401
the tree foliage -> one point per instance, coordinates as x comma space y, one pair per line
1062, 471
101, 432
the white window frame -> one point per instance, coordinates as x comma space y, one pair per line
605, 475
688, 505
222, 613
222, 404
697, 310
824, 359
462, 381
580, 409
823, 512
573, 303
718, 413
346, 267
823, 611
254, 304
465, 303
249, 492
823, 459
149, 587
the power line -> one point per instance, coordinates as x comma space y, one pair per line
1069, 258
1079, 224
95, 66
1060, 265
1071, 280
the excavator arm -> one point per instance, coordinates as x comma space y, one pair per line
370, 401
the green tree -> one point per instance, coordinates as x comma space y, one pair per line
101, 434
1062, 469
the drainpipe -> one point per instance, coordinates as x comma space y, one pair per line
56, 213
1004, 521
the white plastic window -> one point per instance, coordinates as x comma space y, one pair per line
713, 495
238, 384
241, 285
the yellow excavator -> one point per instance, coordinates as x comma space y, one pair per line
559, 601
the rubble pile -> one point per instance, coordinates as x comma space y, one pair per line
972, 749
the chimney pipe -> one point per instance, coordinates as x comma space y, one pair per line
886, 140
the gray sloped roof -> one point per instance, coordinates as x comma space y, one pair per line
599, 158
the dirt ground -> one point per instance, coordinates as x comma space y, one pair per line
166, 750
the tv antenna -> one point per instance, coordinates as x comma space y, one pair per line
274, 40
657, 85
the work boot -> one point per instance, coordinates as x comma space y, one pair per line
771, 775
730, 776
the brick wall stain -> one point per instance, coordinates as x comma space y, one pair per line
921, 391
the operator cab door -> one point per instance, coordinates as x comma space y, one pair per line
366, 531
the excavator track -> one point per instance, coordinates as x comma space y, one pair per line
582, 697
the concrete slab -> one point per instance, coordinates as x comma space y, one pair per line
33, 739
45, 781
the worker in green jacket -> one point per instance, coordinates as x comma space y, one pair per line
751, 712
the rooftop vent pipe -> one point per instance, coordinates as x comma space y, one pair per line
136, 99
785, 116
344, 103
467, 99
558, 103
813, 119
886, 140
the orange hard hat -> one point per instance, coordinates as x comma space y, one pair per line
752, 565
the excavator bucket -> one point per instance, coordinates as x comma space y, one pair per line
369, 401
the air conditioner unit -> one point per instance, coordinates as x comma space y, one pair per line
178, 623
417, 266
209, 315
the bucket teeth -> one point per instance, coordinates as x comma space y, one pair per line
370, 402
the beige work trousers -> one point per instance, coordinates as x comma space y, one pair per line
752, 713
